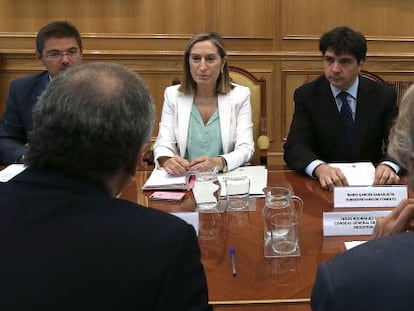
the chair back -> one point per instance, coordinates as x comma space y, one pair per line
258, 102
400, 87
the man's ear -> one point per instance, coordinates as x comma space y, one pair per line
138, 159
361, 62
38, 55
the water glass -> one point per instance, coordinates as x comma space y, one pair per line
285, 236
237, 192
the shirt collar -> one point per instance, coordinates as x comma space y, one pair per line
352, 90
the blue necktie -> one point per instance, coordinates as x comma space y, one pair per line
347, 120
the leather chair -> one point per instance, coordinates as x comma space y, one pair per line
258, 102
400, 86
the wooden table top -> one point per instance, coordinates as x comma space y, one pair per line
261, 283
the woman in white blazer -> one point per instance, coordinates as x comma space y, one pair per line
206, 87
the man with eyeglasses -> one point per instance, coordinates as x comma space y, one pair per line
58, 47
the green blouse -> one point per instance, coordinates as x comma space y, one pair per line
203, 139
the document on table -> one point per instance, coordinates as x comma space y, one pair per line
10, 171
358, 173
161, 180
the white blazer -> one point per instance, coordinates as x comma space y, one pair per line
235, 122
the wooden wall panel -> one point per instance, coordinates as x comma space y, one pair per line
274, 39
384, 22
246, 18
107, 16
385, 19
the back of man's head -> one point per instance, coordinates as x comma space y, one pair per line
91, 122
344, 40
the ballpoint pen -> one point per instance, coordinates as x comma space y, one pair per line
233, 261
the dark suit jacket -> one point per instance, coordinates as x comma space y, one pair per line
378, 275
66, 245
17, 119
316, 131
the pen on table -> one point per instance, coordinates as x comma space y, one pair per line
233, 261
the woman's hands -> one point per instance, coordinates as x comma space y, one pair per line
178, 166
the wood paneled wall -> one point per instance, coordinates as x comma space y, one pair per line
274, 39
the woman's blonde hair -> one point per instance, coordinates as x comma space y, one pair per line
188, 85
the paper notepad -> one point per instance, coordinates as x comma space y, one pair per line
358, 173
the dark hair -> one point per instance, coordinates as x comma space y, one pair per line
188, 85
57, 29
344, 40
91, 122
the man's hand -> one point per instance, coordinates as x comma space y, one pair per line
385, 175
399, 220
330, 176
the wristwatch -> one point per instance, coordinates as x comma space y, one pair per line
224, 169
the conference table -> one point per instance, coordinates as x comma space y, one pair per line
261, 283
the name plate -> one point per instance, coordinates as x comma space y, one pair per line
350, 223
376, 196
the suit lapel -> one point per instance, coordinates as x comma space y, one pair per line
365, 105
184, 106
41, 85
224, 107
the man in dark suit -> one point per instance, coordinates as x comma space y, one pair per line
323, 132
67, 242
377, 275
58, 47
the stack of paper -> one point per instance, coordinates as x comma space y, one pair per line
161, 180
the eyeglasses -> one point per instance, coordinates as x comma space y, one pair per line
57, 55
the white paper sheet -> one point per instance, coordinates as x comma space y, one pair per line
10, 171
351, 244
357, 173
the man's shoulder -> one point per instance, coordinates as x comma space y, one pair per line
375, 251
313, 86
148, 215
375, 85
29, 80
